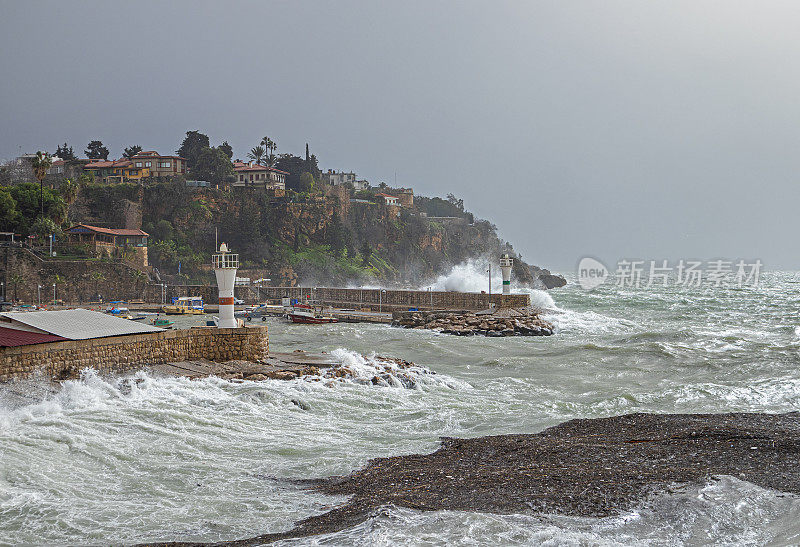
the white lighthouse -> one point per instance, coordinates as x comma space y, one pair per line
506, 262
225, 266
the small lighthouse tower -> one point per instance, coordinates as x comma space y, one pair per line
225, 266
506, 262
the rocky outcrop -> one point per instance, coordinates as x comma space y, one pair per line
546, 280
503, 322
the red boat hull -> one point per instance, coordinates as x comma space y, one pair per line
295, 318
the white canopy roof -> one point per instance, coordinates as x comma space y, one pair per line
78, 324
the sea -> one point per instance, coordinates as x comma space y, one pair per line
144, 458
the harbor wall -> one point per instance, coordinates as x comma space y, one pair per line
61, 360
371, 299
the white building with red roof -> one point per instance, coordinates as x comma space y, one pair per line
388, 200
255, 175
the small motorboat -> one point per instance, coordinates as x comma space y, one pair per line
162, 323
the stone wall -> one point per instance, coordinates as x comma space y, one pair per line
121, 353
351, 298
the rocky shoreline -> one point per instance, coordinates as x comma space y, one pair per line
585, 467
493, 323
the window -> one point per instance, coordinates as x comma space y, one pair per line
148, 164
138, 164
241, 178
164, 164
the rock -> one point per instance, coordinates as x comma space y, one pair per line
281, 375
256, 378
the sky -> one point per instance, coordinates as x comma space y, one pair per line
650, 130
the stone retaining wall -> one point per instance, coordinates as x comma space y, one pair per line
120, 353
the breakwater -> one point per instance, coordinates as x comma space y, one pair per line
371, 299
59, 360
500, 322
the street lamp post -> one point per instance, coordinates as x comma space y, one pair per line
490, 285
54, 294
39, 294
381, 292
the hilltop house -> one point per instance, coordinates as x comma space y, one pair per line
158, 165
140, 166
110, 241
337, 179
109, 171
388, 200
255, 175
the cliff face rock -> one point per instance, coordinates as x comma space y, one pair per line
317, 238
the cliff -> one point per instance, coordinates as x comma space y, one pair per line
332, 237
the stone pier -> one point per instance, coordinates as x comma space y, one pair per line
59, 360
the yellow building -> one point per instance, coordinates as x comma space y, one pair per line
123, 170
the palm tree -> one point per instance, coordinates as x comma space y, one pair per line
41, 165
69, 189
256, 153
269, 145
270, 160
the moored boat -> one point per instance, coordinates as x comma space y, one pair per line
305, 313
162, 323
185, 305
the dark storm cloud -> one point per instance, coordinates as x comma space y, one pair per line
617, 129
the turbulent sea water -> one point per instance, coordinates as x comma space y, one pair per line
113, 461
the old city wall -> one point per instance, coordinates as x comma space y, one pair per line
122, 353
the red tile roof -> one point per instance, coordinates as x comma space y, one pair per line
111, 231
15, 337
386, 196
150, 154
242, 166
102, 164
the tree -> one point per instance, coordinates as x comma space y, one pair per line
96, 151
269, 145
15, 280
9, 212
41, 165
256, 153
192, 146
65, 153
227, 148
44, 227
131, 151
213, 165
28, 199
69, 191
306, 183
366, 253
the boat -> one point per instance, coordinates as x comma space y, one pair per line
313, 315
185, 305
114, 310
261, 310
162, 323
